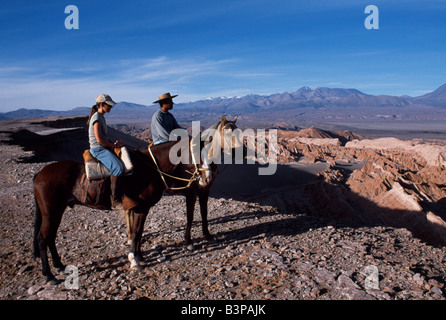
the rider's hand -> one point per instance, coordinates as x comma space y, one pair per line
118, 144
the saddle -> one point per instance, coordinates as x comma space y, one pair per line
95, 193
95, 170
95, 187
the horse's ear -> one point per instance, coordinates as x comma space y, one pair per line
235, 119
223, 119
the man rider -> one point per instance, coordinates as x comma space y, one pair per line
163, 122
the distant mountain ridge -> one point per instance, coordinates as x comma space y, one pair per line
436, 98
304, 97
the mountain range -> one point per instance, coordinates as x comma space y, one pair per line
333, 100
317, 98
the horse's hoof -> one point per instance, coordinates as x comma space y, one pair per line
54, 282
135, 266
134, 262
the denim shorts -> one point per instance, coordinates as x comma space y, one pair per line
108, 159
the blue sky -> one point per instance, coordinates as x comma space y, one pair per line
135, 50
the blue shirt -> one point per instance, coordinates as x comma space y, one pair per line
162, 125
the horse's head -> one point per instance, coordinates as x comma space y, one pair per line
228, 138
217, 139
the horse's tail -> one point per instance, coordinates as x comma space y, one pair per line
37, 225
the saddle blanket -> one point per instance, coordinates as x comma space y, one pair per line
95, 170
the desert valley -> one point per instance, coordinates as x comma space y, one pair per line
357, 189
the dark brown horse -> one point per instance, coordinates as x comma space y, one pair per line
59, 185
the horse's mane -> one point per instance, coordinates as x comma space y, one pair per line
205, 134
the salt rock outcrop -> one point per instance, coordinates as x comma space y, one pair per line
428, 153
401, 184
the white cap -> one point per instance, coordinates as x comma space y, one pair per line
105, 98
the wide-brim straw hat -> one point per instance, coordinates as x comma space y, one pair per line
165, 96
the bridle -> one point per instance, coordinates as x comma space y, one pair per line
195, 176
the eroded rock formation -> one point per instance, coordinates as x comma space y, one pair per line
401, 184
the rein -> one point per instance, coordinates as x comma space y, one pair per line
195, 175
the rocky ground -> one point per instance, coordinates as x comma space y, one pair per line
259, 252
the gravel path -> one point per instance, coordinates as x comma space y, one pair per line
259, 252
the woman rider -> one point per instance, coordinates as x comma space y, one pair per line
100, 146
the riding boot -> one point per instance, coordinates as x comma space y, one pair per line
116, 192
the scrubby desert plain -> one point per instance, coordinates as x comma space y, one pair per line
345, 217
